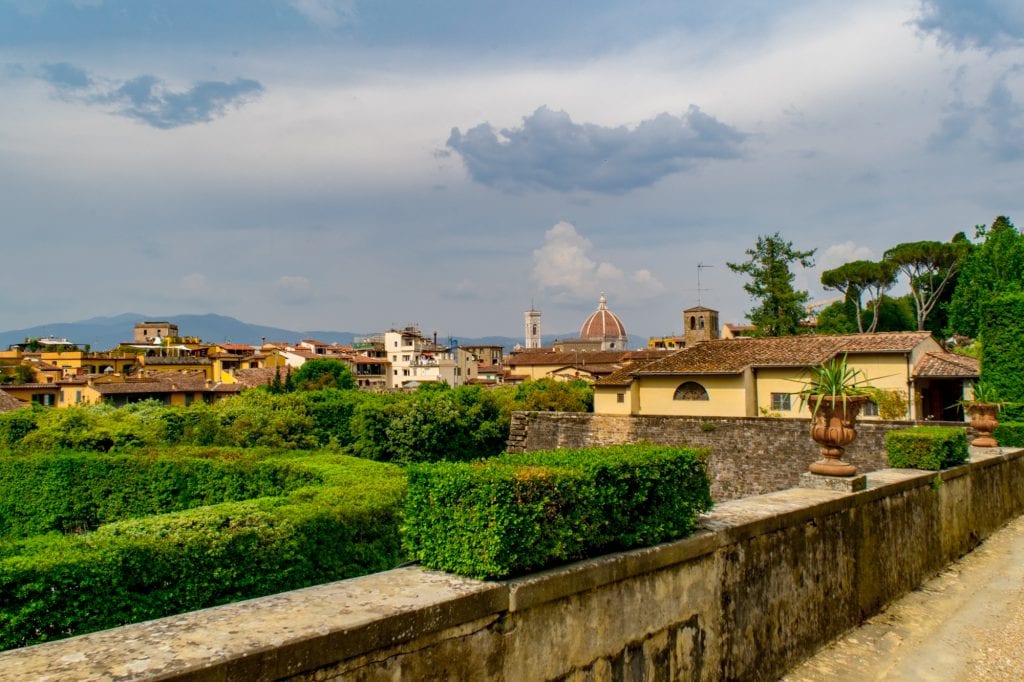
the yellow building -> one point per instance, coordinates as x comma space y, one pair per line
181, 388
590, 365
749, 377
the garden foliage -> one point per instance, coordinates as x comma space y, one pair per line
343, 523
1002, 347
926, 447
433, 423
517, 513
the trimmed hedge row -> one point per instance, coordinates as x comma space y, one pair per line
927, 447
80, 491
518, 513
54, 586
1010, 434
1002, 337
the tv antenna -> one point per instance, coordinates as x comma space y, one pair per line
701, 266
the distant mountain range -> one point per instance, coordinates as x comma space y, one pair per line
102, 333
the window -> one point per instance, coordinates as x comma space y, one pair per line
870, 409
620, 397
691, 390
781, 402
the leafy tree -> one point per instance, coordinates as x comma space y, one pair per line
861, 277
771, 282
994, 266
323, 373
837, 318
929, 266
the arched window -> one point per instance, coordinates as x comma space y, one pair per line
702, 323
693, 322
691, 390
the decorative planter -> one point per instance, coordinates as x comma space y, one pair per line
832, 429
984, 421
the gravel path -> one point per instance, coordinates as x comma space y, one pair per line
967, 623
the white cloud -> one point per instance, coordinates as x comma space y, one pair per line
564, 267
294, 288
325, 13
194, 284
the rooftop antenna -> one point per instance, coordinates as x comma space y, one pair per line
701, 266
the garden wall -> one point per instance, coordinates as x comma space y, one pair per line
767, 581
748, 455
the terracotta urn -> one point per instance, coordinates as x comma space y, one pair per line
832, 429
983, 417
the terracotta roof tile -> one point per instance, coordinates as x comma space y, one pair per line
9, 403
943, 364
731, 356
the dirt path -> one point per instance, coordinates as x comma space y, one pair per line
965, 624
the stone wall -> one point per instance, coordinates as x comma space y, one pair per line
767, 581
748, 455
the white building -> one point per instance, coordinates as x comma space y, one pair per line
415, 358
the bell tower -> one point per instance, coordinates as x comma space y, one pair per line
532, 327
700, 324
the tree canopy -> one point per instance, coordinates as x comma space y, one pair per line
994, 266
781, 307
929, 266
861, 277
323, 373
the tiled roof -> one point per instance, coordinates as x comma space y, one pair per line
943, 364
550, 357
257, 376
731, 356
9, 403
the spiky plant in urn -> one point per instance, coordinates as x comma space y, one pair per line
983, 413
835, 392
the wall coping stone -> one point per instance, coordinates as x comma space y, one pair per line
269, 637
289, 633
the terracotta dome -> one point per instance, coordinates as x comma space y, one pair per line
602, 324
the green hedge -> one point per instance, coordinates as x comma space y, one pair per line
926, 447
1002, 347
1010, 434
518, 513
79, 491
54, 586
1011, 412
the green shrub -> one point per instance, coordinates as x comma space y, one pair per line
79, 491
1012, 412
1010, 434
54, 586
926, 447
518, 513
1002, 336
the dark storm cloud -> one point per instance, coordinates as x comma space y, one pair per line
550, 151
997, 122
989, 24
64, 76
147, 99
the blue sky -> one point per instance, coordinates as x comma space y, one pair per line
359, 165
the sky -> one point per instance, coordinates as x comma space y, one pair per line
356, 166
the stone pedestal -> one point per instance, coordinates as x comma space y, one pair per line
841, 484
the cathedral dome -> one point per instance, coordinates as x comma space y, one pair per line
602, 324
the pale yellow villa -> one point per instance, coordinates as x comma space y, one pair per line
747, 377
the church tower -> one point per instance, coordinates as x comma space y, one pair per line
532, 324
699, 324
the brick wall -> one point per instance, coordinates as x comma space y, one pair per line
748, 455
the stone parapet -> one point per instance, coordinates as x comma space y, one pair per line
766, 581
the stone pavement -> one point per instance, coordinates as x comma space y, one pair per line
967, 623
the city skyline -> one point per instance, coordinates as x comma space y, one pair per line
347, 165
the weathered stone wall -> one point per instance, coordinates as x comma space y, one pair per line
766, 581
748, 455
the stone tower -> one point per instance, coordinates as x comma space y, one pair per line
699, 324
532, 325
